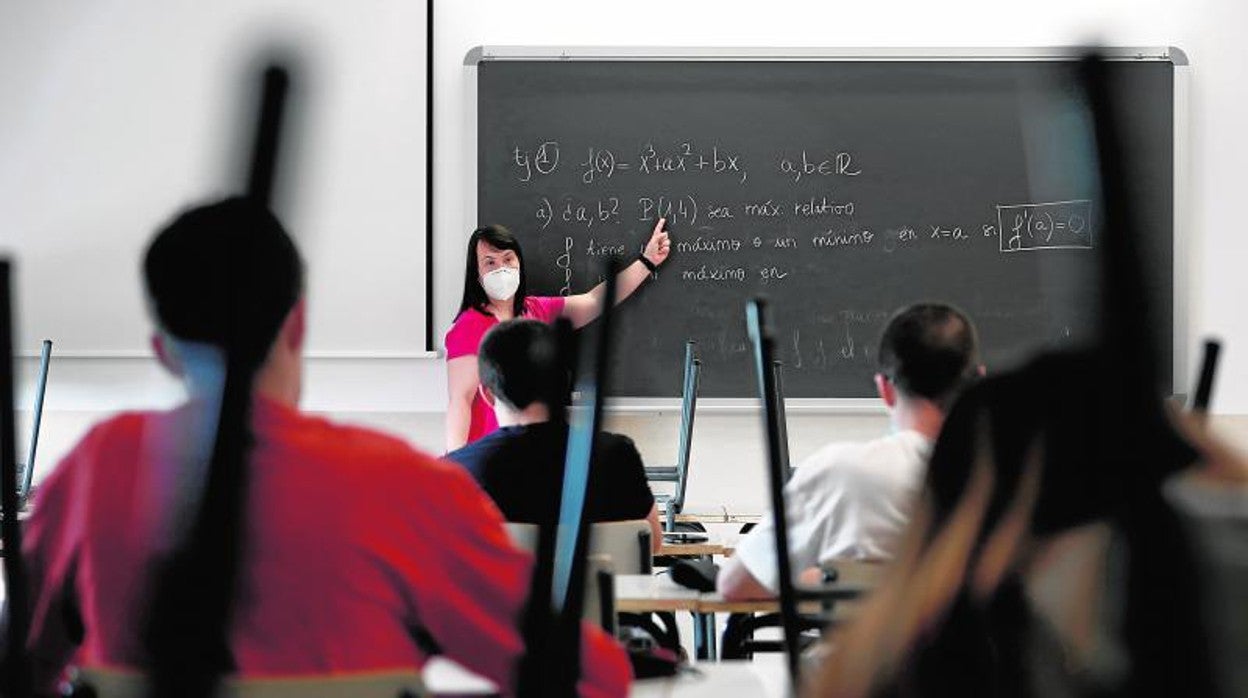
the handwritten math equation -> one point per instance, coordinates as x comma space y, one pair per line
593, 164
1045, 226
763, 234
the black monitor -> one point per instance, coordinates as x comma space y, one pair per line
41, 387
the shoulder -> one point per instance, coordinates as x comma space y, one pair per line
121, 436
478, 455
361, 446
544, 308
368, 455
112, 444
619, 445
465, 333
903, 453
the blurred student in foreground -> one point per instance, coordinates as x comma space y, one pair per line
318, 548
853, 500
1047, 557
521, 464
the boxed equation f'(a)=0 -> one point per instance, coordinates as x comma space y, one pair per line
1053, 225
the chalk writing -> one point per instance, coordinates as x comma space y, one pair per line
683, 209
686, 157
763, 209
841, 163
939, 232
572, 211
564, 262
702, 244
600, 163
842, 239
769, 274
822, 207
601, 250
863, 317
543, 160
1045, 226
720, 274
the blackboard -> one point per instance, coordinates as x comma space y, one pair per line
841, 190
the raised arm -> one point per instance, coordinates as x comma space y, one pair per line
583, 308
461, 387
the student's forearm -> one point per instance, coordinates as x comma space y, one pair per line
735, 583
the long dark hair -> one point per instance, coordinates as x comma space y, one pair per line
475, 296
1092, 469
226, 275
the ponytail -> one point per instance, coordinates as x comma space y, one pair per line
226, 275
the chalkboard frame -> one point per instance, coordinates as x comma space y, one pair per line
1180, 340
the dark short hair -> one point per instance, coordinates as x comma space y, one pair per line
518, 361
475, 296
929, 350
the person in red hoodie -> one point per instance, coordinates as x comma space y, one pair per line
253, 539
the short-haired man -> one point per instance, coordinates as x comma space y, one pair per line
852, 500
521, 464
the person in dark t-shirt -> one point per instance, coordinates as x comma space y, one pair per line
521, 464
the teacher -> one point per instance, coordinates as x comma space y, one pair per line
495, 291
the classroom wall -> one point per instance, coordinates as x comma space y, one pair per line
81, 187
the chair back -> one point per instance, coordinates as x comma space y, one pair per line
616, 547
101, 682
782, 422
626, 543
523, 535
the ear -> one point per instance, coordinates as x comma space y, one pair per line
486, 395
294, 327
165, 354
886, 390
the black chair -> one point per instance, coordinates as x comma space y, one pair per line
738, 637
674, 503
782, 422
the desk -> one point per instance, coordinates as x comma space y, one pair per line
444, 677
647, 593
722, 680
644, 593
706, 549
718, 517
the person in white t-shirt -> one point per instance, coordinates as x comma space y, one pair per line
852, 500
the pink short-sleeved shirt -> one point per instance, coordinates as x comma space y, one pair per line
465, 336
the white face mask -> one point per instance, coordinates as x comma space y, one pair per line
502, 283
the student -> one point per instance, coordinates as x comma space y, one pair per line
1045, 559
495, 290
352, 543
520, 465
853, 500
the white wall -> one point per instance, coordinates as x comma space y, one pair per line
112, 116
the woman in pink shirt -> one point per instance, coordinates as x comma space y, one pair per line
494, 291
